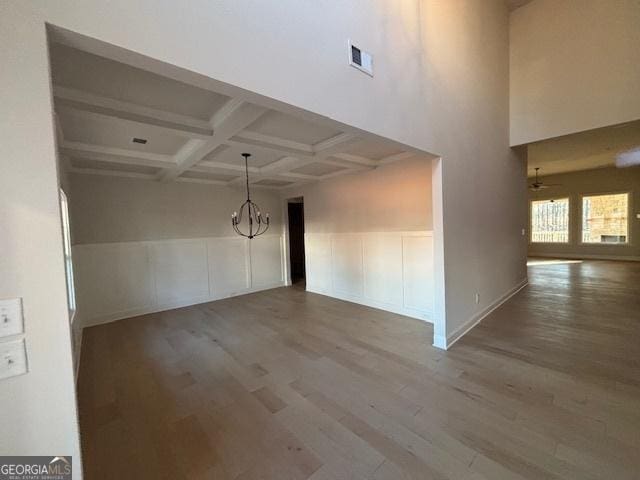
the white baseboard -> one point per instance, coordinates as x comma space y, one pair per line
572, 256
115, 316
423, 315
446, 343
440, 341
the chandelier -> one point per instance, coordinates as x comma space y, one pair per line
254, 225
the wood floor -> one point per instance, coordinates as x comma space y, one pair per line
289, 385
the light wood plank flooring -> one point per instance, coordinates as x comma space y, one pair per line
289, 385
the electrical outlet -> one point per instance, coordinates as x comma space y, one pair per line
13, 359
524, 232
11, 317
477, 297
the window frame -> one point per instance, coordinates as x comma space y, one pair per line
569, 213
629, 241
72, 305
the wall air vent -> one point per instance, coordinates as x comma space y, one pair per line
360, 59
143, 141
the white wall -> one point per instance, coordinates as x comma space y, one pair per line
394, 197
480, 184
368, 238
116, 209
441, 85
575, 65
38, 410
574, 185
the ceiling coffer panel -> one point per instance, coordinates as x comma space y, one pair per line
288, 127
109, 132
84, 163
77, 69
267, 182
213, 176
232, 155
318, 169
372, 149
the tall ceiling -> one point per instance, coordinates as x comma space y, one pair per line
583, 151
191, 134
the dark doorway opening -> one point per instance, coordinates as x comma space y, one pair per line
296, 240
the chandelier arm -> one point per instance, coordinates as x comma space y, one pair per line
237, 230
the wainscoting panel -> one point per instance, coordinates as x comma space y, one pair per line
388, 270
228, 265
112, 279
181, 270
317, 250
346, 267
418, 273
120, 280
266, 261
382, 255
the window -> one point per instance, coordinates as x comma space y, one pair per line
550, 221
605, 218
68, 264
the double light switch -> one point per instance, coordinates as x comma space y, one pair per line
11, 317
13, 354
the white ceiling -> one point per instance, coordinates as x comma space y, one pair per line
583, 151
193, 135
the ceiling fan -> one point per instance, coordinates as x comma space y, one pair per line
539, 185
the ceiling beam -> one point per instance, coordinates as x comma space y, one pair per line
118, 155
201, 180
131, 124
334, 144
357, 159
66, 161
111, 173
233, 117
87, 103
397, 157
269, 141
320, 152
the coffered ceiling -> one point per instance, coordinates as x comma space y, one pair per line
189, 134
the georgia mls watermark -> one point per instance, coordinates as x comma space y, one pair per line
35, 468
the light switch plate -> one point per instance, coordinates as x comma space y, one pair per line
11, 322
13, 359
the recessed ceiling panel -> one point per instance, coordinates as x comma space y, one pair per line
110, 132
90, 73
83, 163
596, 148
233, 156
318, 169
218, 177
267, 182
285, 126
372, 149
